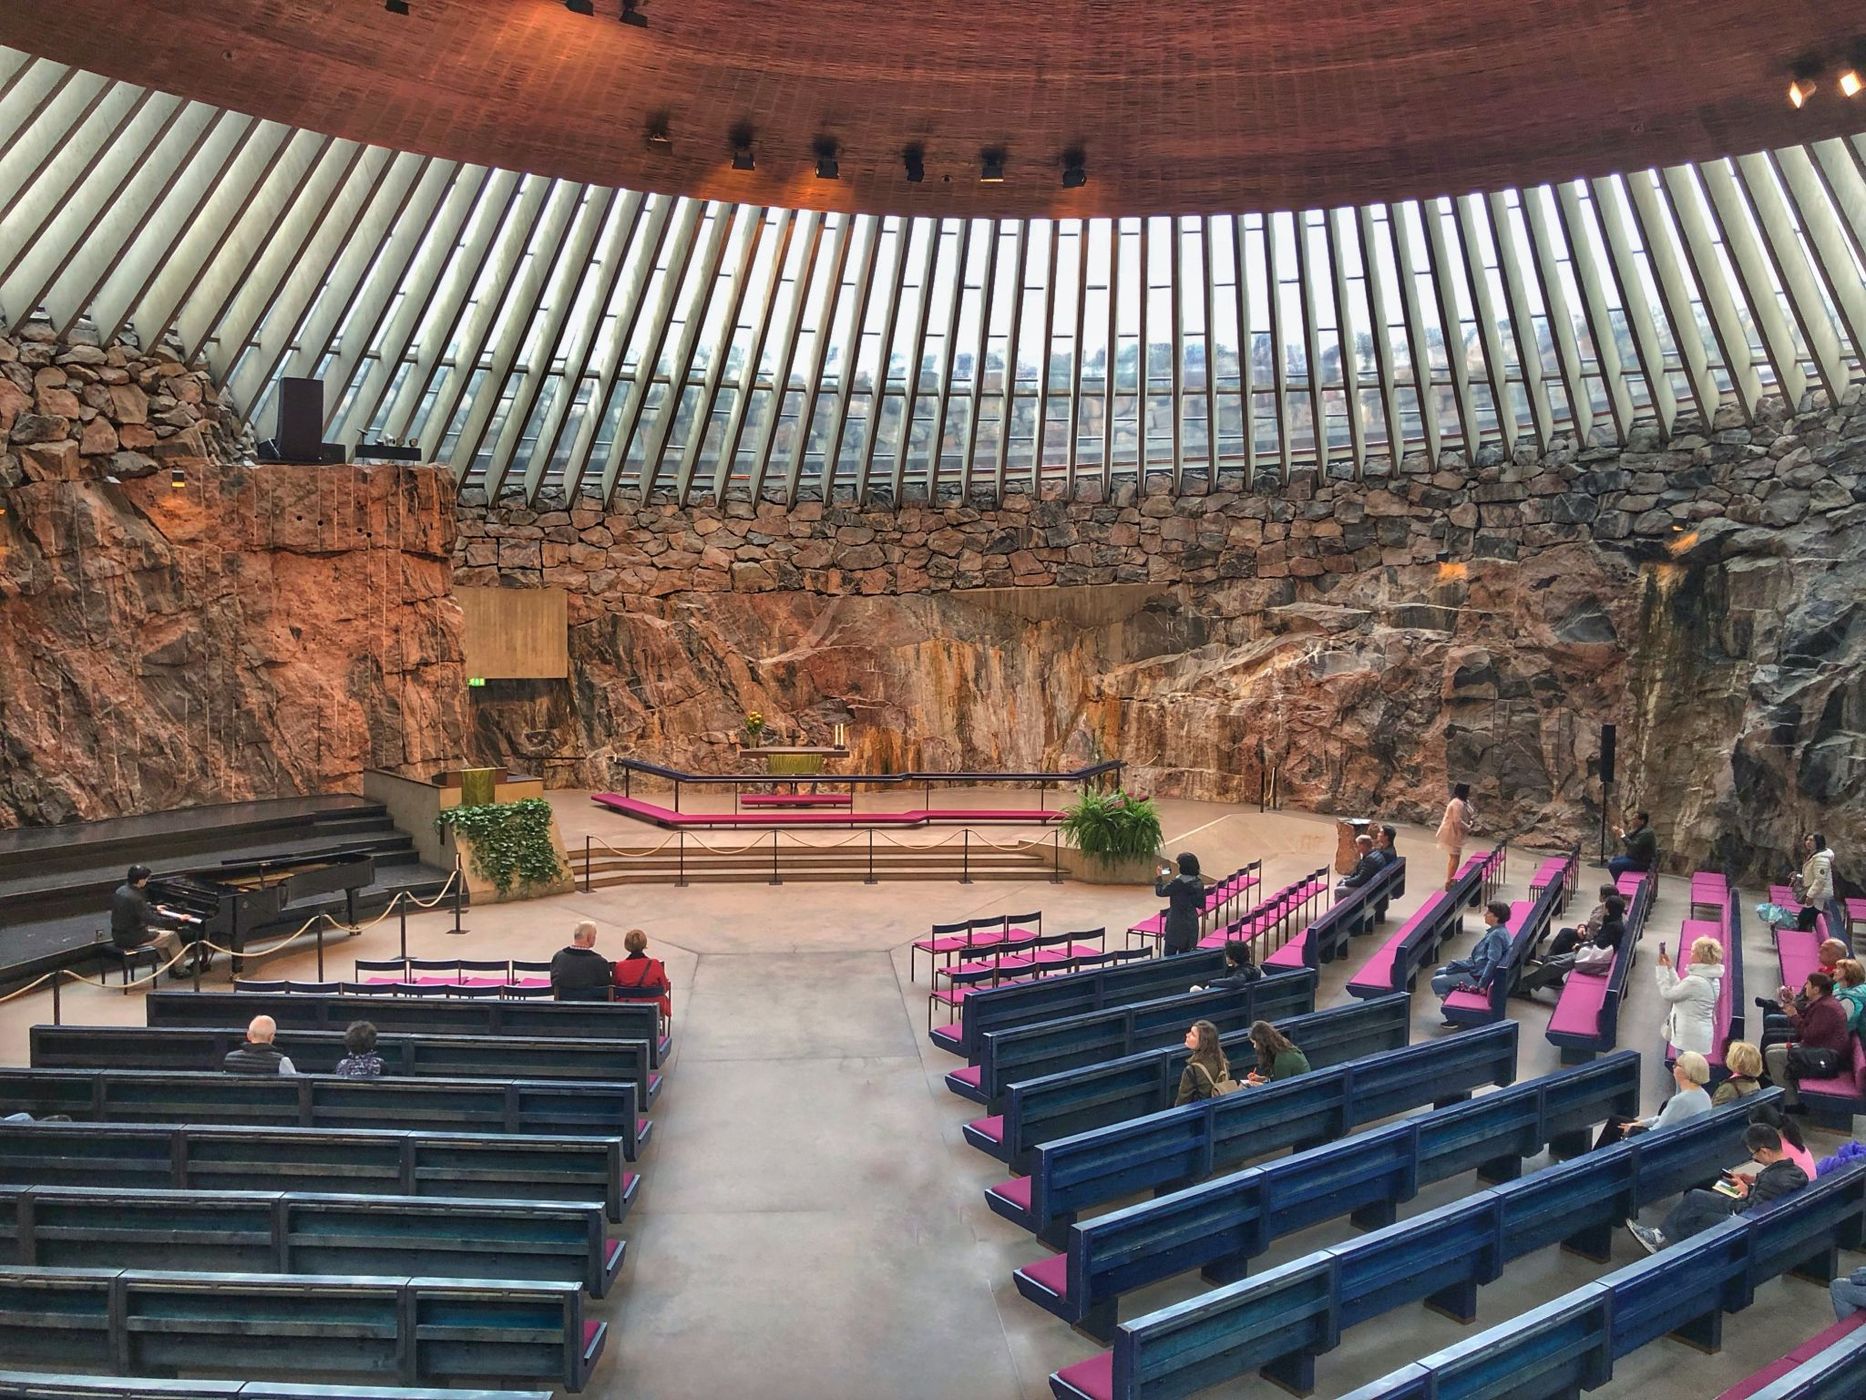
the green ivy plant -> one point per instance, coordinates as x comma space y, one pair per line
1112, 826
511, 841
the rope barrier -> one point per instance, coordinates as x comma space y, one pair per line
188, 949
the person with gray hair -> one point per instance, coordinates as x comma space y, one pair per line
258, 1055
579, 972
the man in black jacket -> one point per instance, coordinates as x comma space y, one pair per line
258, 1055
1369, 865
579, 972
1700, 1210
133, 920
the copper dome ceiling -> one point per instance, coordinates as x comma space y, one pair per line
1176, 105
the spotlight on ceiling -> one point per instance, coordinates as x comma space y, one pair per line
632, 15
1801, 82
1852, 79
655, 134
827, 167
395, 7
991, 167
1075, 170
742, 158
580, 7
915, 159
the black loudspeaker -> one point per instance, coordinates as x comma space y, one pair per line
1607, 740
301, 419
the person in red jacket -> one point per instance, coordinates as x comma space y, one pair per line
1821, 1046
639, 977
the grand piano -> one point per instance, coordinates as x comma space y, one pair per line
229, 903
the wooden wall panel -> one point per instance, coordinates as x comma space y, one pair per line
515, 633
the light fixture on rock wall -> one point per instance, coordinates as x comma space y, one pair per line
177, 478
395, 7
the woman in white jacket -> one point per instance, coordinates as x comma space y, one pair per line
1814, 884
1691, 1022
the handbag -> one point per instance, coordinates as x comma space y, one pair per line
1595, 961
1220, 1087
1806, 1062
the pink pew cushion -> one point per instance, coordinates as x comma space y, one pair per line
1094, 1377
1290, 954
1016, 1191
1051, 1272
1578, 1010
1775, 1370
971, 1074
992, 1127
1468, 1001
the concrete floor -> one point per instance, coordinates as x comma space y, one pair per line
811, 1224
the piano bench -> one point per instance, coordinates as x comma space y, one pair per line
127, 958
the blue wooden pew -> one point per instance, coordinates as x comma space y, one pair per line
1183, 1145
1684, 1291
1220, 1225
1483, 1008
1049, 1047
417, 1330
25, 1385
1396, 964
355, 1161
303, 1233
317, 1052
1827, 1366
1284, 1318
1586, 1018
1071, 994
1060, 1105
1356, 912
301, 1011
579, 1107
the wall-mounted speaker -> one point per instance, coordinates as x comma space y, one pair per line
1608, 740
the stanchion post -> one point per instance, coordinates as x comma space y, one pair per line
774, 858
57, 1009
586, 862
1056, 856
965, 859
459, 890
401, 909
680, 869
320, 950
201, 957
871, 857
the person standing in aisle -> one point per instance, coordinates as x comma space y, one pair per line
1459, 821
1184, 894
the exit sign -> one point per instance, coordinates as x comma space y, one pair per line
476, 681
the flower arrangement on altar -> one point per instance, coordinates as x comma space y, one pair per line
754, 728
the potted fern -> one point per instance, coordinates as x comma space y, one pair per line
1112, 838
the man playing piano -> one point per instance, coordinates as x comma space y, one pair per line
136, 923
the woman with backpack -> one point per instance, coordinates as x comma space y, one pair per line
1207, 1073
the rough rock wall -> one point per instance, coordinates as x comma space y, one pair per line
255, 632
1358, 645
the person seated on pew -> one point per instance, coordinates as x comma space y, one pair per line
1384, 847
1744, 1061
1793, 1144
1365, 868
639, 977
1277, 1055
1690, 1074
1240, 969
1848, 1294
1642, 847
1478, 970
1569, 939
1850, 991
258, 1055
1775, 1024
579, 972
1207, 1074
1595, 955
360, 1060
1736, 1194
1821, 1041
1691, 1022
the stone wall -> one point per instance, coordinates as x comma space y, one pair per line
254, 632
1358, 644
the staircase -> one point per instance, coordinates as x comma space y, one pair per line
689, 862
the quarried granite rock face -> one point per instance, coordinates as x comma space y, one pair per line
261, 631
1360, 645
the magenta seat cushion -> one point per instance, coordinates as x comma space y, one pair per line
992, 1127
628, 1181
950, 1032
591, 1330
1051, 1272
1469, 1001
971, 1074
1775, 1370
1016, 1191
1290, 954
1094, 1377
1578, 1011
